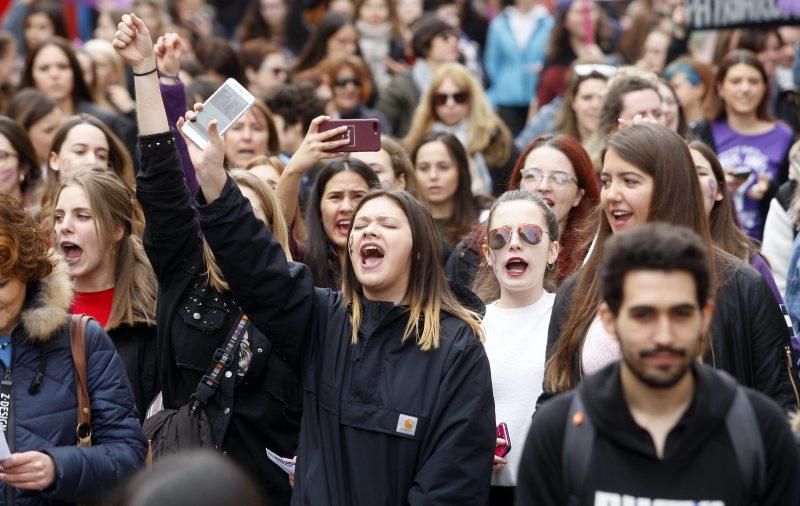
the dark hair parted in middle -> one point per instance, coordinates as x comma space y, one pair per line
653, 247
664, 155
464, 209
322, 257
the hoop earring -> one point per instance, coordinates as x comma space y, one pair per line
551, 266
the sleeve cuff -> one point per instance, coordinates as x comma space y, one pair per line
155, 142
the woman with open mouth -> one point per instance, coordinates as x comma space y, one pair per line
648, 175
520, 254
337, 190
557, 168
392, 364
114, 282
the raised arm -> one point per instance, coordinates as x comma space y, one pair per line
171, 230
315, 148
132, 42
279, 297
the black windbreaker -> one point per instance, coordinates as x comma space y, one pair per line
383, 422
699, 463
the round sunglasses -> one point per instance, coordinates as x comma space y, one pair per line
528, 232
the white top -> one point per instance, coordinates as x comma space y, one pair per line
777, 245
599, 348
516, 340
524, 23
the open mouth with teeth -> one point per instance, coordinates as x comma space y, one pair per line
72, 252
371, 255
621, 218
550, 202
342, 227
516, 267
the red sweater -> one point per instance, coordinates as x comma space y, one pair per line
95, 304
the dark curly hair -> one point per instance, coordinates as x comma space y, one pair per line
24, 254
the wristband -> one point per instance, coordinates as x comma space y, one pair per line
146, 73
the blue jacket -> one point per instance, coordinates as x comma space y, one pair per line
514, 73
46, 421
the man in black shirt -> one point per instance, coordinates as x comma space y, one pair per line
659, 427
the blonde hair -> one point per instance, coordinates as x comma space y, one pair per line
428, 292
113, 207
275, 222
487, 134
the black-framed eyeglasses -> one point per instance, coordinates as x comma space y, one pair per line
342, 82
558, 178
528, 232
441, 98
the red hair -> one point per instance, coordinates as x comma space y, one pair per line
577, 233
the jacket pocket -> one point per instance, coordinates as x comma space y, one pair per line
386, 420
205, 309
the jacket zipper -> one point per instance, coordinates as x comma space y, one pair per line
9, 435
788, 350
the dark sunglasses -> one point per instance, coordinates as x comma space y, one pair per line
442, 98
343, 82
528, 232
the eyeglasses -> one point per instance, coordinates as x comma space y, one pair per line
441, 98
584, 69
558, 178
528, 232
343, 82
5, 155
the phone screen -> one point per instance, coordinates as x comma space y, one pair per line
225, 106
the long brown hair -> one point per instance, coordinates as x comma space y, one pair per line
428, 292
676, 199
113, 208
581, 224
724, 231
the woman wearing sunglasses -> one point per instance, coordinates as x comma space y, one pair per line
456, 104
520, 255
648, 175
557, 168
351, 85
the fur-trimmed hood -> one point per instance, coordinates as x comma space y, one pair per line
47, 303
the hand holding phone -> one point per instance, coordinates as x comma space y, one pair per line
226, 106
361, 134
502, 433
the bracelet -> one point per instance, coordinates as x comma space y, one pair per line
146, 73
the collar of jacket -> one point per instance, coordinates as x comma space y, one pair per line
47, 303
606, 406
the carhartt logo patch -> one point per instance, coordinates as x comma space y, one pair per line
407, 425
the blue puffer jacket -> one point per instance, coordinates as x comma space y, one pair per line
46, 421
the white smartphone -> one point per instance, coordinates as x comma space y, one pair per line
226, 105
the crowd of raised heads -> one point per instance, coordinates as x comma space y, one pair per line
567, 272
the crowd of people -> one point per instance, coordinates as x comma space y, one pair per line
568, 274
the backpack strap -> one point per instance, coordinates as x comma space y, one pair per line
77, 341
578, 447
743, 431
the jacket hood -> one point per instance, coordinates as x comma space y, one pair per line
47, 303
606, 407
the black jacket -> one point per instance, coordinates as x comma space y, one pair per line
383, 422
749, 332
699, 462
136, 346
249, 413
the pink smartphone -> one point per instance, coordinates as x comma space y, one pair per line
502, 433
363, 134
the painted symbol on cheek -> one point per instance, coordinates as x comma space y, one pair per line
711, 184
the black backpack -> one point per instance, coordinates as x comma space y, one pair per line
742, 429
